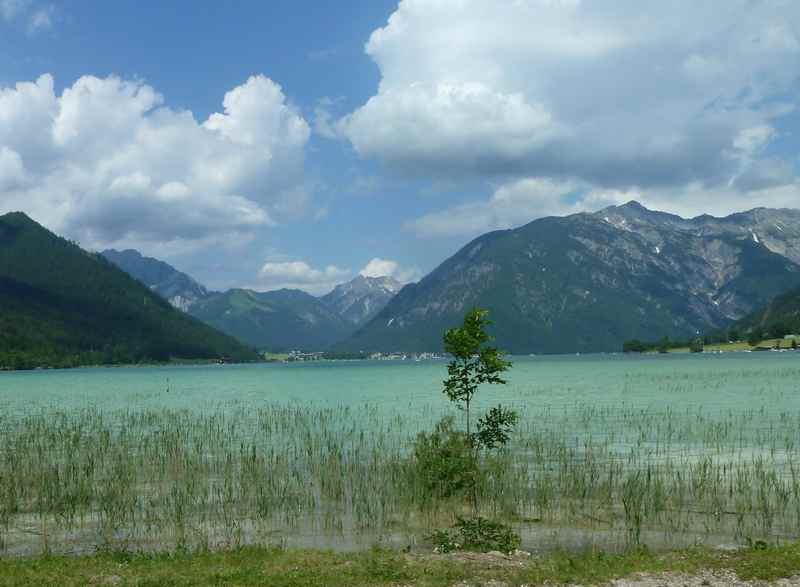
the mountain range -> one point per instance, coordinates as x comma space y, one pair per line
63, 306
288, 319
579, 283
589, 281
276, 320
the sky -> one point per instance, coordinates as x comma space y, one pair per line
298, 143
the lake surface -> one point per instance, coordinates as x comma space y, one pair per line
730, 382
610, 450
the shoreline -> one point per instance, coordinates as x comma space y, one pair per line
715, 350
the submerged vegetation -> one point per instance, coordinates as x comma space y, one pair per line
174, 480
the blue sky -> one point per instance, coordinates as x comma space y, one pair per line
380, 137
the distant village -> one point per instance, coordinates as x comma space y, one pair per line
301, 356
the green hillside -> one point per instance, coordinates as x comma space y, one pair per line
62, 306
778, 318
274, 321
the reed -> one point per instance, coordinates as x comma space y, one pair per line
303, 475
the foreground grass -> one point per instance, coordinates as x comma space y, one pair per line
279, 568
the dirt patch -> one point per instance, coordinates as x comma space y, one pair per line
719, 578
703, 579
106, 580
482, 560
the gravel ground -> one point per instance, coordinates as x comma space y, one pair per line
703, 579
717, 578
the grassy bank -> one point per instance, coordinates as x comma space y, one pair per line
279, 568
739, 346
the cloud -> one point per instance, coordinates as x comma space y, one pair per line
516, 203
378, 267
38, 17
615, 94
41, 20
106, 162
300, 275
769, 184
324, 123
12, 172
10, 9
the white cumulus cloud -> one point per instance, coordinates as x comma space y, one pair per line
617, 93
300, 275
378, 267
106, 162
516, 203
609, 96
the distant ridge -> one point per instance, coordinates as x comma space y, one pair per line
176, 287
285, 319
277, 320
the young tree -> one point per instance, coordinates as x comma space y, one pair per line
474, 363
448, 461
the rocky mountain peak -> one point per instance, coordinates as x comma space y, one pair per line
358, 300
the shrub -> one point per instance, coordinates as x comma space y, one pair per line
477, 534
444, 461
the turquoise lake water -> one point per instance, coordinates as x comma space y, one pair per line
718, 382
688, 419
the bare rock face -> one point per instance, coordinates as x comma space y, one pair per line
176, 287
358, 301
588, 282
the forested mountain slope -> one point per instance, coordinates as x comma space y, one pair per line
63, 306
286, 319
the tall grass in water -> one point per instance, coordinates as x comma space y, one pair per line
152, 480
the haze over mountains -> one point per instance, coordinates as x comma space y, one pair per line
580, 283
